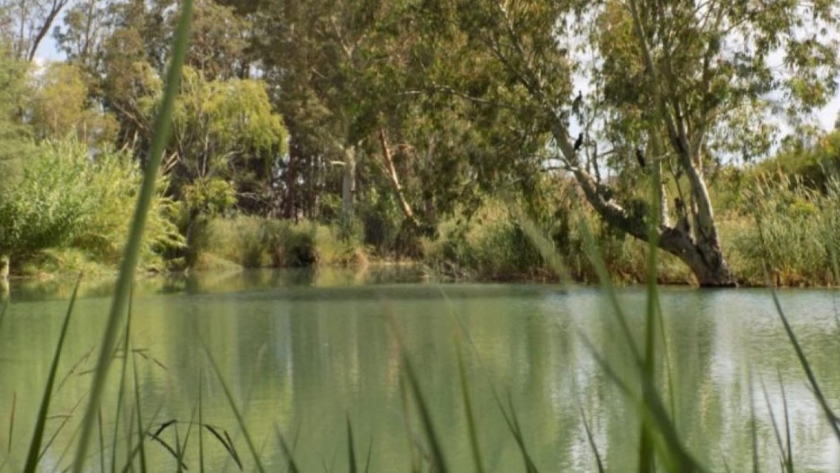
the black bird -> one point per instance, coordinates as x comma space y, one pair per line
577, 102
640, 157
682, 216
578, 142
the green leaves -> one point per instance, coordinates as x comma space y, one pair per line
67, 199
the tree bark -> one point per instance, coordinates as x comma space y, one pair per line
348, 185
702, 255
394, 180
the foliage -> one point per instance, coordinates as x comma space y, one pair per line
15, 137
224, 130
794, 234
254, 242
68, 198
810, 164
59, 107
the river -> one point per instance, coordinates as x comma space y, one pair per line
303, 352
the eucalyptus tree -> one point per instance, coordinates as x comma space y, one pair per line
15, 136
314, 53
59, 107
25, 23
675, 82
357, 85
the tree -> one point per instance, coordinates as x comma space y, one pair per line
15, 136
663, 81
227, 130
59, 106
25, 23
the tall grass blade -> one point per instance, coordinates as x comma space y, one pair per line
647, 462
753, 428
513, 426
800, 354
101, 444
776, 432
169, 448
161, 134
233, 408
468, 411
141, 435
415, 462
38, 435
436, 452
200, 422
121, 390
58, 430
788, 441
179, 452
806, 366
284, 447
652, 411
183, 449
12, 422
370, 450
608, 288
350, 448
228, 446
134, 449
591, 439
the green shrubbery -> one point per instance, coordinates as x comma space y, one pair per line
254, 242
789, 228
493, 245
68, 199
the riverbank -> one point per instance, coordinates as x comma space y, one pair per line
787, 232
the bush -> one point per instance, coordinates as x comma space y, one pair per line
68, 198
254, 242
492, 245
239, 240
797, 233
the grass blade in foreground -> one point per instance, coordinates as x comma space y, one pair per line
161, 133
436, 453
591, 439
292, 467
236, 413
465, 393
38, 434
350, 448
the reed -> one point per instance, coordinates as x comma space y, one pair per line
161, 133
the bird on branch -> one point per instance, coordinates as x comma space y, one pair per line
576, 104
640, 157
578, 142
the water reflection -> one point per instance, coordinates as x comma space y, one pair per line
302, 351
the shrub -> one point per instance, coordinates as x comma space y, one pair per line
797, 233
257, 242
68, 198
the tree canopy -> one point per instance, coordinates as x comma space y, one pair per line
396, 114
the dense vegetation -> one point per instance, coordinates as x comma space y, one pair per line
344, 132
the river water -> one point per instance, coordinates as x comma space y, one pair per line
303, 352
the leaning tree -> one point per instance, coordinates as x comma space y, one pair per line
672, 84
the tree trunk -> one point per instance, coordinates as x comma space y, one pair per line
393, 178
289, 204
348, 185
702, 254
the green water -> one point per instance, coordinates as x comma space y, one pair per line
303, 351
